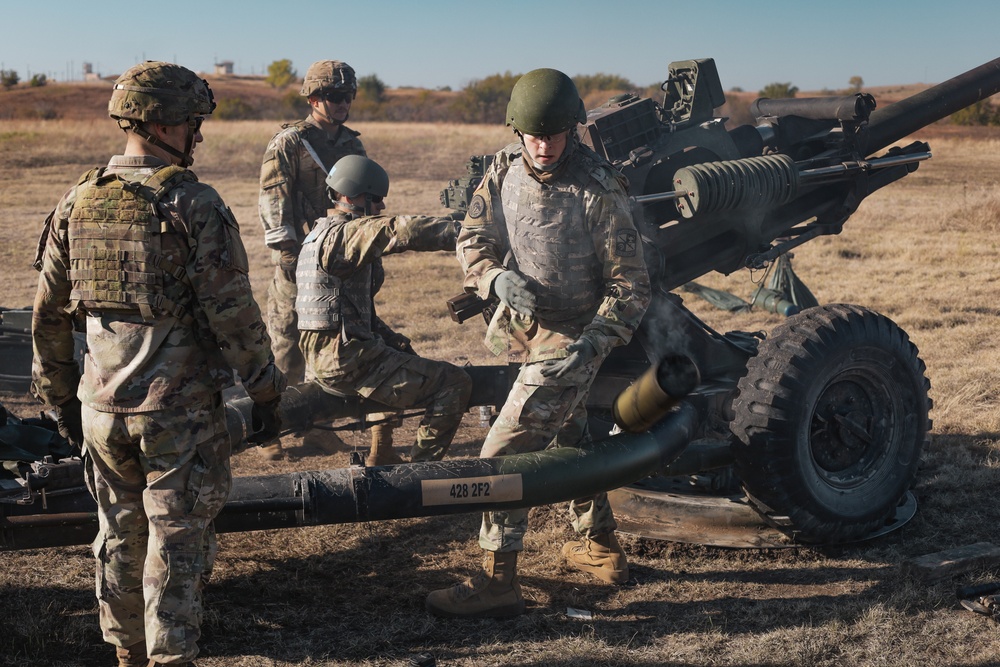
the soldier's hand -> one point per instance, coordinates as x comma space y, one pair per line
581, 352
512, 289
265, 422
69, 422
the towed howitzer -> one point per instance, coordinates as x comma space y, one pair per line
818, 426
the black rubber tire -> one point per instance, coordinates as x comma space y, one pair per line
830, 420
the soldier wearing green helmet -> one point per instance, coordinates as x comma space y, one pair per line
293, 195
149, 262
348, 349
549, 232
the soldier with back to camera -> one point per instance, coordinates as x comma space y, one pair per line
150, 264
348, 349
550, 233
293, 196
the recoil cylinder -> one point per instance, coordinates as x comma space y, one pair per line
763, 181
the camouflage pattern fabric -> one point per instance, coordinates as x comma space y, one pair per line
153, 558
540, 412
137, 366
403, 381
292, 197
356, 358
154, 425
606, 218
283, 326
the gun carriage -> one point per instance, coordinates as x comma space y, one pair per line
811, 434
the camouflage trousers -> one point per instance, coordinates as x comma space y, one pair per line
159, 479
400, 380
540, 413
283, 327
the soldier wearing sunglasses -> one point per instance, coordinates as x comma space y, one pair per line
293, 195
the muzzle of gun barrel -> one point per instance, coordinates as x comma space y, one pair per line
655, 393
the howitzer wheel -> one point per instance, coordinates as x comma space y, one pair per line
830, 420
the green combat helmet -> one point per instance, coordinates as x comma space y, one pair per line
329, 75
159, 92
545, 102
354, 175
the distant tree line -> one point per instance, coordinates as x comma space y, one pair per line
480, 101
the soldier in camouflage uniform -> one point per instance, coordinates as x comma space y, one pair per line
293, 196
550, 233
348, 349
150, 264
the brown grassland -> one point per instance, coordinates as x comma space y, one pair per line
922, 251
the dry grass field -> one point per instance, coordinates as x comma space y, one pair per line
922, 251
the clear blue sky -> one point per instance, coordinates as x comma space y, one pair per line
437, 43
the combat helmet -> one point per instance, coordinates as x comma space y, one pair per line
543, 102
353, 176
329, 75
160, 92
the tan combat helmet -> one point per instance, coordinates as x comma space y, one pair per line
329, 75
159, 92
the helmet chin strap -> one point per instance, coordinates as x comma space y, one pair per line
352, 210
356, 211
186, 158
325, 117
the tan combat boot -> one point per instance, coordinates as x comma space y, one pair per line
493, 592
324, 441
601, 556
132, 656
382, 453
273, 452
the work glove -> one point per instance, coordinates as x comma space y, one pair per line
512, 289
69, 422
581, 352
265, 422
288, 260
398, 341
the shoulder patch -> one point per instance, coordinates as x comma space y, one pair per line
477, 207
626, 243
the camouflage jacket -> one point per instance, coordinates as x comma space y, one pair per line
292, 185
484, 252
349, 249
136, 365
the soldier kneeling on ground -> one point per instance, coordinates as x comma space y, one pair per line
348, 350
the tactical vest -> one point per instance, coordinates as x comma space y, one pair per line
114, 246
550, 242
325, 302
314, 166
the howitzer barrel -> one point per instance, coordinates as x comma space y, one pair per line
899, 120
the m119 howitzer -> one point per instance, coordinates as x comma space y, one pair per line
818, 427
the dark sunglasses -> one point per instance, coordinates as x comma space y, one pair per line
195, 123
374, 199
337, 98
